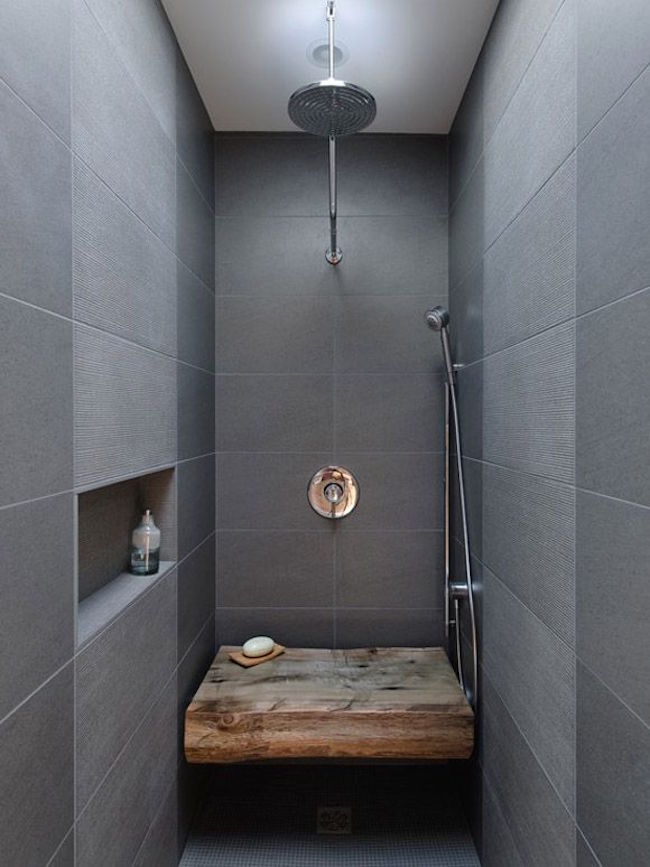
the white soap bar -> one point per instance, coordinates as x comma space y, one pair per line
258, 646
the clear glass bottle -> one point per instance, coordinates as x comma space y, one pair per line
145, 546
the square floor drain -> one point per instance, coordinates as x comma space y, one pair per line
334, 820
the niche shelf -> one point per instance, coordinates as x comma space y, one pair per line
106, 517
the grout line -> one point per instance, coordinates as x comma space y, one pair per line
613, 303
580, 833
613, 105
60, 846
615, 695
23, 102
41, 686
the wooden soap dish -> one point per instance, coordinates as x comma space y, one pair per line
248, 661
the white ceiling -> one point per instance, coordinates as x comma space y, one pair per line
248, 56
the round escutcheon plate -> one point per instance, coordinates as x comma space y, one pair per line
333, 492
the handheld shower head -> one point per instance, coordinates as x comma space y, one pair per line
437, 318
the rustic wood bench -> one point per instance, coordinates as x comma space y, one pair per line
369, 703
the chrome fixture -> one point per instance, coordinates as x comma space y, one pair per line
332, 108
456, 591
333, 492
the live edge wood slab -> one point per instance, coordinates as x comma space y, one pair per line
371, 703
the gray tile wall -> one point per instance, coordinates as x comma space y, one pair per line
107, 352
319, 365
550, 303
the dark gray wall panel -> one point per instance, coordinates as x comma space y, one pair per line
125, 407
466, 310
194, 228
159, 847
194, 134
196, 319
36, 219
124, 276
389, 627
65, 854
36, 401
36, 769
36, 617
300, 627
196, 583
469, 391
196, 502
467, 227
499, 848
195, 412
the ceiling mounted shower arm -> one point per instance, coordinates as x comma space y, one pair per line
330, 15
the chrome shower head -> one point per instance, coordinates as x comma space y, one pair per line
437, 318
332, 108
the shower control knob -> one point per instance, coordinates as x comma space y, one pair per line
333, 492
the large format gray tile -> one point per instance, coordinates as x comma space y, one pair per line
389, 412
613, 411
124, 276
529, 541
274, 413
115, 131
389, 627
36, 774
159, 847
387, 335
584, 855
529, 273
195, 412
35, 58
499, 848
613, 596
191, 671
613, 762
195, 319
196, 583
537, 131
466, 313
131, 794
389, 570
534, 674
196, 502
36, 218
194, 134
542, 828
467, 227
194, 228
614, 205
268, 491
275, 569
130, 26
290, 334
125, 407
397, 491
64, 856
300, 627
36, 618
612, 51
469, 395
36, 400
529, 405
382, 255
117, 676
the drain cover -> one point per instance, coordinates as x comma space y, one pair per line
334, 820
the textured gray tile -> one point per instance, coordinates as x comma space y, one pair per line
64, 857
36, 400
274, 413
389, 569
192, 782
194, 133
130, 26
529, 540
196, 583
190, 672
473, 477
466, 312
124, 276
125, 407
36, 218
382, 255
36, 618
537, 131
194, 228
131, 794
613, 205
467, 226
584, 855
397, 491
389, 412
499, 848
117, 677
196, 319
534, 674
612, 51
290, 334
271, 175
613, 412
392, 174
542, 829
613, 761
613, 596
115, 131
195, 412
35, 58
469, 392
36, 774
392, 627
529, 273
248, 486
275, 569
387, 335
529, 405
159, 847
300, 627
196, 502
466, 138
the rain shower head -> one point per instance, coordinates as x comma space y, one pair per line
437, 318
332, 108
